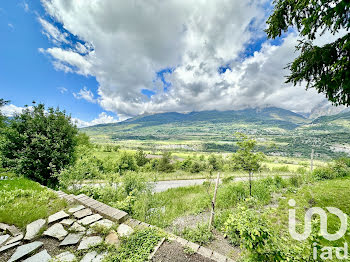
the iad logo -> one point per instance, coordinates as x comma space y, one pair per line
323, 217
327, 251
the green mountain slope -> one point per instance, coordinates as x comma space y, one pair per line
278, 131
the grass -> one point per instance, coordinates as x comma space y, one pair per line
24, 201
329, 193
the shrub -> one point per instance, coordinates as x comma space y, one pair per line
126, 161
38, 143
322, 173
164, 164
140, 158
200, 234
296, 180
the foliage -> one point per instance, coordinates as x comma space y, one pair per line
200, 234
39, 143
24, 201
326, 68
126, 161
140, 158
137, 247
164, 164
339, 168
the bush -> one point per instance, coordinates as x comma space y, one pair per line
125, 162
200, 234
164, 164
38, 143
296, 180
323, 173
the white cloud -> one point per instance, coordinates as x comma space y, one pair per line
127, 42
103, 118
62, 89
12, 110
52, 32
25, 6
85, 94
11, 26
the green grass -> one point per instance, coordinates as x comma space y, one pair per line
23, 201
330, 193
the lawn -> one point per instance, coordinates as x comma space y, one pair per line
23, 201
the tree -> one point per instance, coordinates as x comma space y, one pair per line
2, 117
164, 164
39, 143
327, 67
245, 158
141, 158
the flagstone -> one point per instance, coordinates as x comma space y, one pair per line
89, 257
75, 209
3, 226
104, 222
57, 216
90, 219
4, 238
83, 213
24, 250
33, 229
67, 222
76, 227
13, 230
4, 248
89, 241
56, 231
65, 257
15, 239
125, 230
42, 256
71, 239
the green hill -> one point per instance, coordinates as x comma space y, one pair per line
278, 131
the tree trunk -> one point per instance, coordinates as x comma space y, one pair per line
250, 183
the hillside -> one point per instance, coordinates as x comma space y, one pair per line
279, 131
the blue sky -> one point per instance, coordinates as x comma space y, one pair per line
132, 63
27, 75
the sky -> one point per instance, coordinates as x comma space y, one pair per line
106, 61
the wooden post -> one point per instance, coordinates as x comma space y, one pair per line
213, 202
250, 183
312, 160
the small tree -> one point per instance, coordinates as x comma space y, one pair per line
39, 143
164, 164
245, 158
141, 158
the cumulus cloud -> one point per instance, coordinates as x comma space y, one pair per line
12, 110
85, 94
52, 32
62, 89
127, 42
103, 118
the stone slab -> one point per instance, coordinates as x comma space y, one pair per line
4, 238
112, 239
89, 241
77, 228
75, 209
15, 239
67, 222
57, 216
24, 250
14, 231
71, 239
205, 252
65, 257
218, 257
99, 257
56, 231
82, 213
193, 246
89, 257
3, 227
42, 256
104, 223
125, 230
90, 219
33, 229
4, 248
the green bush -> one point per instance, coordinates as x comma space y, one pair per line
323, 173
126, 162
39, 143
164, 164
296, 180
200, 234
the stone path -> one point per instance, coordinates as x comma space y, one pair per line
77, 228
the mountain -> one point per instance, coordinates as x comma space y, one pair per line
325, 108
278, 132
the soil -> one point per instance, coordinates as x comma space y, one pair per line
222, 245
174, 252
